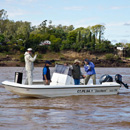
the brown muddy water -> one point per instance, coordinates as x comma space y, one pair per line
64, 113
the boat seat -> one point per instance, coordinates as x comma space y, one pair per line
61, 79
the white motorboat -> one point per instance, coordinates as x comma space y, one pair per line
62, 84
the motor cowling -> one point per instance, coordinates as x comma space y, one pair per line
105, 78
118, 79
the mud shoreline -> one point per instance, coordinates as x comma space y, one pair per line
63, 57
9, 62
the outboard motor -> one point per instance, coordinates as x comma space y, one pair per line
105, 78
118, 79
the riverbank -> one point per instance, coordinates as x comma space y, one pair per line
63, 57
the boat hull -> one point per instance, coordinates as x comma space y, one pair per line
61, 90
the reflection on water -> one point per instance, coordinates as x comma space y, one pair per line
72, 113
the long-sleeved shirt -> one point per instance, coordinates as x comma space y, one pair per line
76, 72
29, 61
89, 69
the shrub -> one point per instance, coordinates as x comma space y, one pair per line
111, 57
39, 56
22, 58
43, 49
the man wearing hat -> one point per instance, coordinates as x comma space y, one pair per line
76, 72
46, 73
29, 66
89, 69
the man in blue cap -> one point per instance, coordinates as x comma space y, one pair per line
46, 73
89, 69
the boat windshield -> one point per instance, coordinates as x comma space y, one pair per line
62, 69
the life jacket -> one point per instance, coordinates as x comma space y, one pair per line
47, 74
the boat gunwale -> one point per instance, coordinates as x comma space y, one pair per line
16, 85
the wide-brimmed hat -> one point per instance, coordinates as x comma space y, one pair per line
29, 49
76, 61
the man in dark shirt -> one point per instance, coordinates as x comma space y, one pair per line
76, 72
46, 73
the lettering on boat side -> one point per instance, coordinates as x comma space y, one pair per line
85, 91
96, 90
101, 90
113, 90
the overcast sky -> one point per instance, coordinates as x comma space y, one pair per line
113, 14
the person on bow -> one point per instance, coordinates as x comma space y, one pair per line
90, 70
46, 73
29, 66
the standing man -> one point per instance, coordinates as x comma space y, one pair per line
76, 72
29, 66
46, 73
89, 68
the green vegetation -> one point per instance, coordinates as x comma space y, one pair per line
111, 57
18, 36
22, 58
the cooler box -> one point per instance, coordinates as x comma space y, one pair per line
18, 77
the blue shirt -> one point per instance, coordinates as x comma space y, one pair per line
44, 71
89, 69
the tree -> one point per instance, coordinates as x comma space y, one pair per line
9, 31
3, 14
23, 31
2, 38
42, 26
20, 35
119, 44
105, 46
72, 37
90, 37
98, 30
3, 20
79, 37
55, 43
65, 45
93, 42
